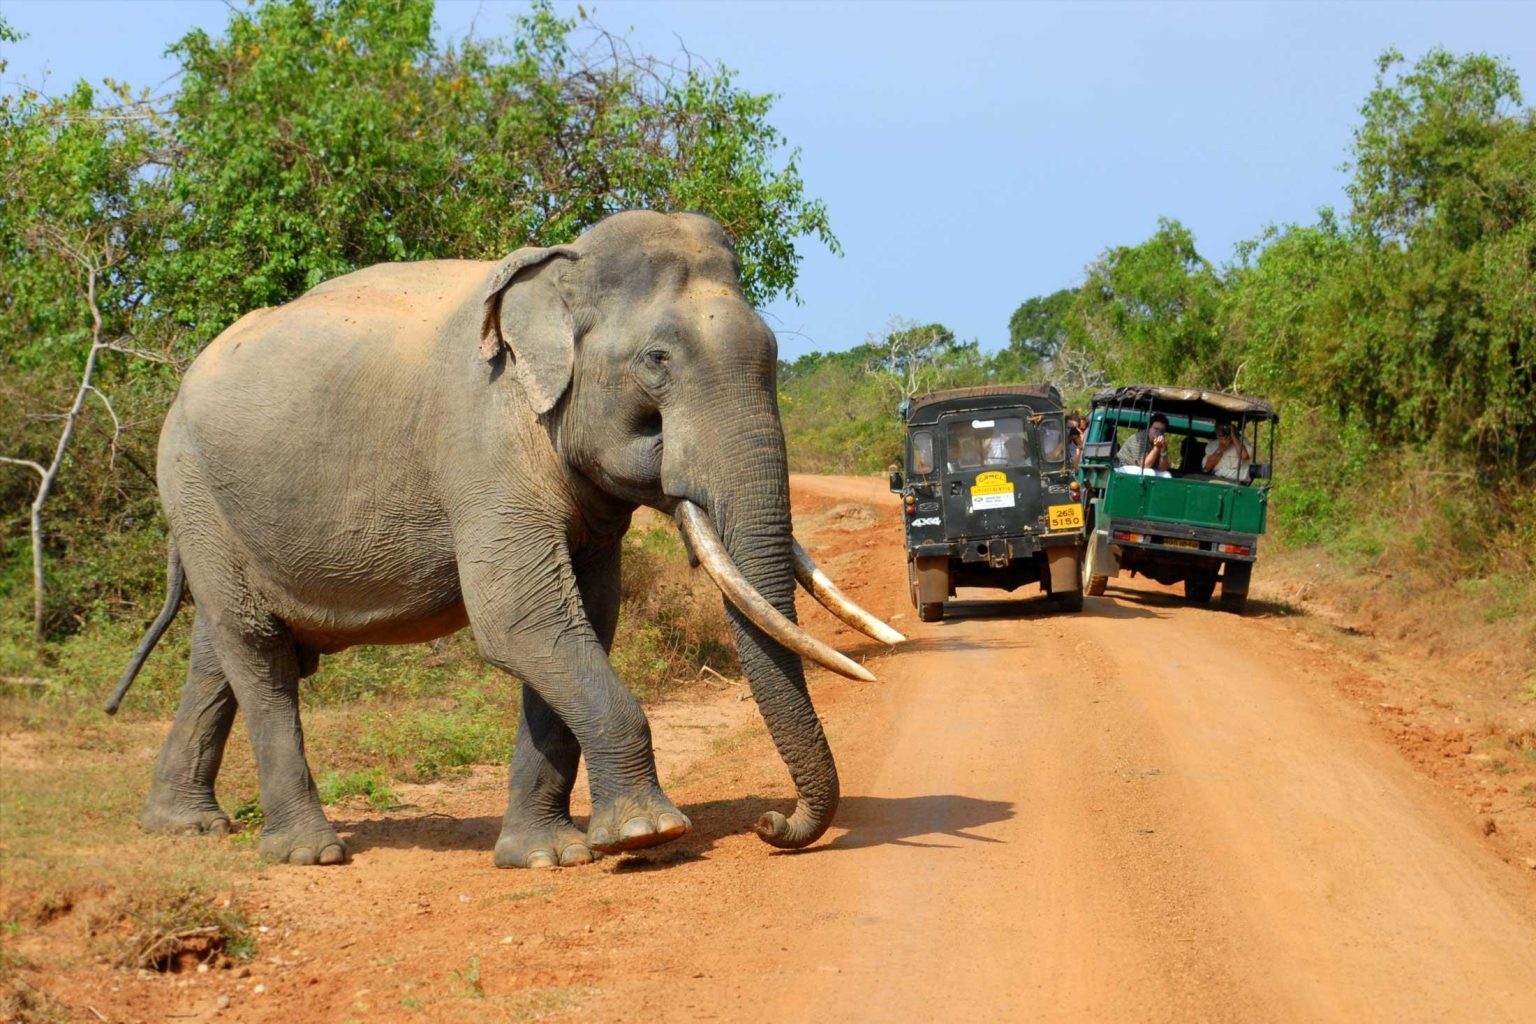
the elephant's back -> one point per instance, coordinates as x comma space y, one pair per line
403, 307
303, 437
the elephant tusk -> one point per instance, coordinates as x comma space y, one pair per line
838, 603
706, 544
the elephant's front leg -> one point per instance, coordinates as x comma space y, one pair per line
537, 831
532, 620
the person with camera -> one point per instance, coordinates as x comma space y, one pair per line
1147, 450
1077, 432
1227, 457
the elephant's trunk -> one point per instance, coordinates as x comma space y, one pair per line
748, 501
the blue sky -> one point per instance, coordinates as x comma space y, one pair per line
971, 155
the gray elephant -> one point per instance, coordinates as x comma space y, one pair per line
416, 447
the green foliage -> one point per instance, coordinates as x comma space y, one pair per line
317, 137
473, 725
670, 627
368, 783
839, 409
1151, 311
1038, 328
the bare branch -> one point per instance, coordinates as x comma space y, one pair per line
141, 353
34, 466
117, 425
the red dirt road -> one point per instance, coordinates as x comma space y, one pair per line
1145, 812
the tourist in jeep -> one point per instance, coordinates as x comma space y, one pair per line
1226, 456
1147, 450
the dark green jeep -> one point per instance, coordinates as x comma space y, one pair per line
988, 495
1176, 489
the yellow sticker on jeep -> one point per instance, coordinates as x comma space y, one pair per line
992, 489
1065, 517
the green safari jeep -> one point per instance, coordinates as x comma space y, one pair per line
1175, 489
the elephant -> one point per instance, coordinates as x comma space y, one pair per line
416, 447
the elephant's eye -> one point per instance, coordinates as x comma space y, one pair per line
658, 359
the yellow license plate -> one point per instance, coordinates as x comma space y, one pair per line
1065, 517
1179, 542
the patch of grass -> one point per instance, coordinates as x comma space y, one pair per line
468, 978
369, 784
248, 814
473, 726
671, 622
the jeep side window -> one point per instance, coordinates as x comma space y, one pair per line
922, 452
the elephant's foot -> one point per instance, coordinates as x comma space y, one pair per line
635, 821
559, 844
180, 814
305, 846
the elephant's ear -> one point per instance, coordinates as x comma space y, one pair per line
526, 313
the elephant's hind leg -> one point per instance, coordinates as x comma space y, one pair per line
181, 798
262, 663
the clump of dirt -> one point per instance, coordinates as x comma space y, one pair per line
848, 517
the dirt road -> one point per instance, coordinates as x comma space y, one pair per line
1146, 812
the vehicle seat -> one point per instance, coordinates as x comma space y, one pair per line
1191, 456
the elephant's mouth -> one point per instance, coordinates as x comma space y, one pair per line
705, 544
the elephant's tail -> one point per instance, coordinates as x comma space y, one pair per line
176, 587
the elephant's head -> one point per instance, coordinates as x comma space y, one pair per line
657, 378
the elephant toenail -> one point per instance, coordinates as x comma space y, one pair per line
334, 854
574, 855
673, 823
302, 856
636, 827
541, 859
599, 837
219, 827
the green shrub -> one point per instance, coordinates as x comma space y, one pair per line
369, 783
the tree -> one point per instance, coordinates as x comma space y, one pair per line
316, 136
1038, 328
1151, 312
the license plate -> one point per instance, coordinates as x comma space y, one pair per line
1179, 542
1065, 517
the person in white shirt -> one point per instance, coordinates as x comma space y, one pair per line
1227, 456
997, 448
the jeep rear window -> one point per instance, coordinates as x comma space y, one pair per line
922, 452
988, 442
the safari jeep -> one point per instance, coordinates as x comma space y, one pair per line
988, 497
1199, 520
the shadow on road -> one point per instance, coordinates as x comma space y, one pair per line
897, 821
870, 821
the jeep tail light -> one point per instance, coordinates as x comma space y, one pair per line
1134, 538
1234, 549
911, 503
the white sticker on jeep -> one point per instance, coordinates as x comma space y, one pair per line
926, 521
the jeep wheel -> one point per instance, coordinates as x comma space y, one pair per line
1094, 582
912, 581
1234, 586
1198, 589
931, 612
